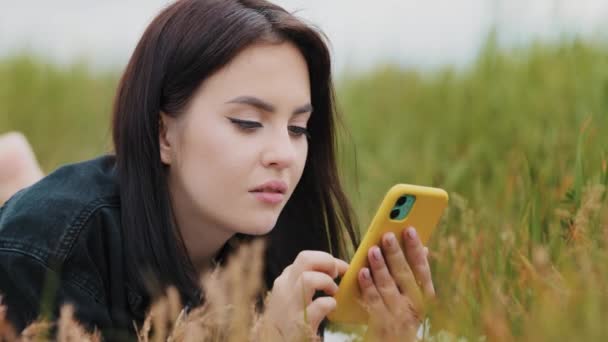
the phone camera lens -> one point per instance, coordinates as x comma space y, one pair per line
394, 213
401, 200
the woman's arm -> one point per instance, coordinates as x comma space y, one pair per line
29, 289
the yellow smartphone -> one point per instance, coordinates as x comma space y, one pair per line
403, 206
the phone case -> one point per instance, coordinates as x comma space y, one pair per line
424, 215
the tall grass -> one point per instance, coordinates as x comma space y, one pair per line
519, 139
63, 111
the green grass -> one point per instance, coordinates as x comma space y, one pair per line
519, 139
63, 111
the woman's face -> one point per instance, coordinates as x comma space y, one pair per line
244, 127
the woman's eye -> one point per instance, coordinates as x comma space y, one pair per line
299, 131
245, 124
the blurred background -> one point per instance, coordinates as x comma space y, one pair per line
422, 34
502, 103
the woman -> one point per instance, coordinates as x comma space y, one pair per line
224, 130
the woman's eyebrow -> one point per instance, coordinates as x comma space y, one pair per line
267, 107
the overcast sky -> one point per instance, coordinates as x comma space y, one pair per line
421, 33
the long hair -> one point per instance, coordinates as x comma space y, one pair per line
186, 43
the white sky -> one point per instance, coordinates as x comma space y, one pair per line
421, 33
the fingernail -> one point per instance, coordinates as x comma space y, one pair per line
366, 274
391, 241
411, 232
376, 253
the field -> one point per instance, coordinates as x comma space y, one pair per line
519, 139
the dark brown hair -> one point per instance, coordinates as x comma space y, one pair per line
186, 43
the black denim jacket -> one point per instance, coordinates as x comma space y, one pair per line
61, 241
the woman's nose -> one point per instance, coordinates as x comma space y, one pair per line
280, 151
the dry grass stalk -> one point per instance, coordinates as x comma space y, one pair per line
604, 224
229, 312
36, 331
590, 205
576, 224
496, 326
7, 333
68, 329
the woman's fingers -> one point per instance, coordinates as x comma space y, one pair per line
318, 261
417, 258
391, 288
401, 271
342, 266
372, 299
385, 284
312, 281
397, 264
318, 310
291, 299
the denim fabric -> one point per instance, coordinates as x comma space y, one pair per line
61, 242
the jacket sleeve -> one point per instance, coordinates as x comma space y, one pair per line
29, 289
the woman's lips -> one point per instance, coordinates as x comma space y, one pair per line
271, 192
269, 197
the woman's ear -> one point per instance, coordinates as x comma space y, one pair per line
165, 140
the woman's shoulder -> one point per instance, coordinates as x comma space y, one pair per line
44, 219
67, 224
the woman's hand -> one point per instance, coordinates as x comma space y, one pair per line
395, 290
290, 310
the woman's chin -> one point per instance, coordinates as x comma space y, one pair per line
259, 228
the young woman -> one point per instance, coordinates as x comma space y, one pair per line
224, 130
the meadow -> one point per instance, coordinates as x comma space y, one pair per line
519, 139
